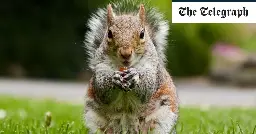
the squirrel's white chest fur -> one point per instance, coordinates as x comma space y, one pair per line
123, 103
124, 110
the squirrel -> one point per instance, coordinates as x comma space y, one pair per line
130, 90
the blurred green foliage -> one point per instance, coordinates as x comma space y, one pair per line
46, 38
190, 46
250, 44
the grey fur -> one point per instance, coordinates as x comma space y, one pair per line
97, 25
109, 109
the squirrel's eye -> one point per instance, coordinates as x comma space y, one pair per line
142, 34
110, 35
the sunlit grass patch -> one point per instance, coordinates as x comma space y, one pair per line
28, 116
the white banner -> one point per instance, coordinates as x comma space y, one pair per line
213, 12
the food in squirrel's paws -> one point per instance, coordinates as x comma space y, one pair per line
122, 69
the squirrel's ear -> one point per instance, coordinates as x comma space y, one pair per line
110, 15
142, 14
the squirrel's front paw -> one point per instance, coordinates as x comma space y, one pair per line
117, 78
131, 77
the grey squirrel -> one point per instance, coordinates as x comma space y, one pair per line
130, 90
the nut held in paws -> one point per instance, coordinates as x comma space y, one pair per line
122, 69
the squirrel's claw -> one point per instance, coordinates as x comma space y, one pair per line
131, 74
117, 78
127, 79
126, 87
132, 77
119, 81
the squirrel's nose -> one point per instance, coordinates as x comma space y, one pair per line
126, 56
126, 53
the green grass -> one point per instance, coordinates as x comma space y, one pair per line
28, 117
66, 118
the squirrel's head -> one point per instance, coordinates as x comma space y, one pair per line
125, 36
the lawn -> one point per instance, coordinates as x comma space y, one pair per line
20, 115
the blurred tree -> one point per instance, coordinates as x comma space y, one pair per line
44, 37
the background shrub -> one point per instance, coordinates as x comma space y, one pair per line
189, 53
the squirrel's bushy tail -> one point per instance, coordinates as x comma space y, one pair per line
97, 24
